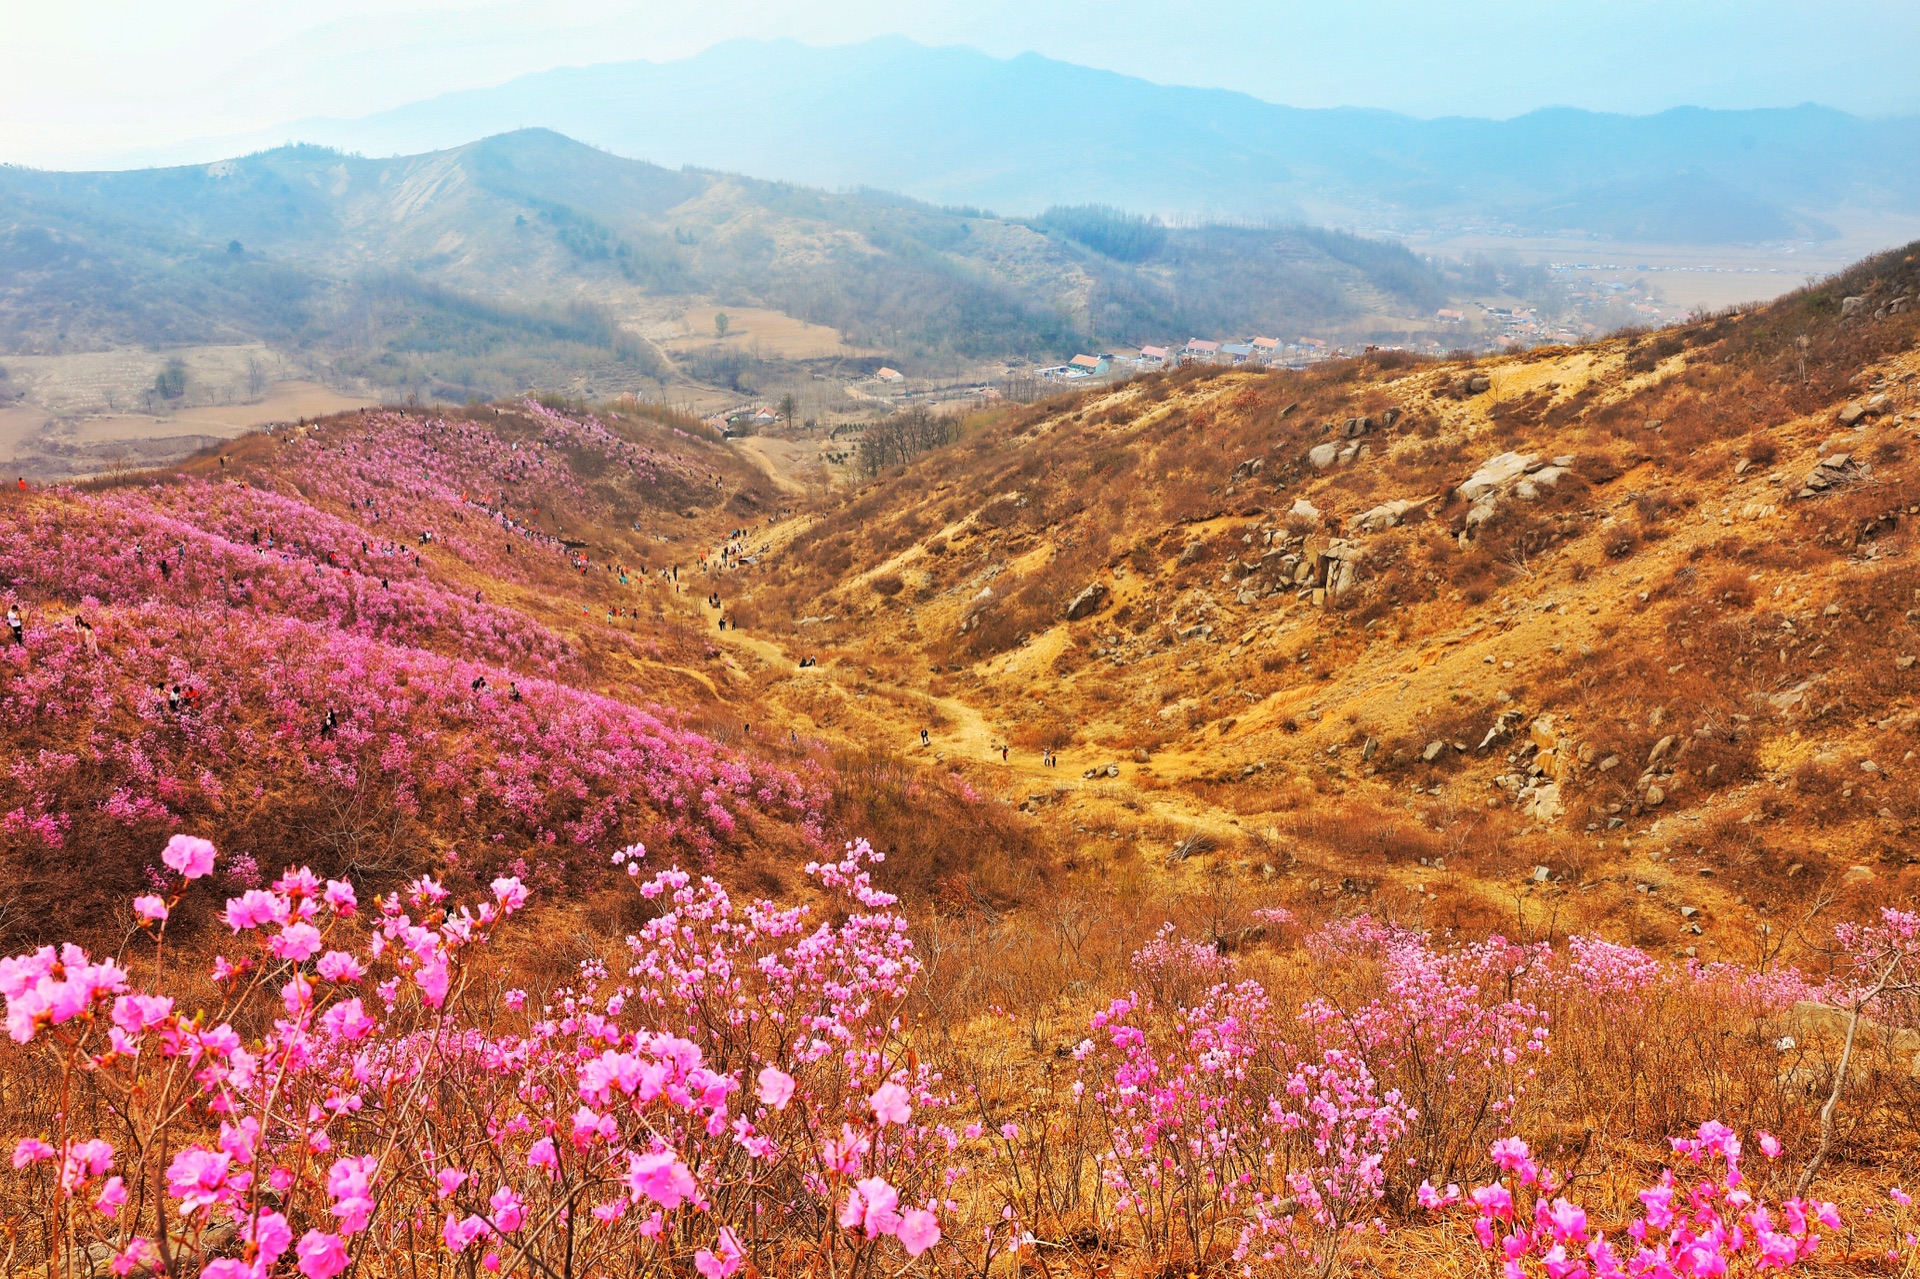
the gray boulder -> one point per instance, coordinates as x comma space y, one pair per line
1087, 602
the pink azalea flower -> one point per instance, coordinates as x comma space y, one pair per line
460, 1232
509, 1213
112, 1195
919, 1231
198, 1177
321, 1255
510, 893
339, 966
890, 1104
190, 856
31, 1150
297, 941
870, 1206
270, 1231
661, 1177
726, 1262
776, 1087
255, 907
149, 908
348, 1020
139, 1254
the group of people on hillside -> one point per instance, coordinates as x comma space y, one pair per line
1047, 758
17, 629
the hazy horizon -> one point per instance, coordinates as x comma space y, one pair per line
84, 88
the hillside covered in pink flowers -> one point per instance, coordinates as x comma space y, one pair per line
390, 641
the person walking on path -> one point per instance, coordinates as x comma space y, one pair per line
17, 624
1003, 754
924, 739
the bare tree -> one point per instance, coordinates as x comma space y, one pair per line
897, 440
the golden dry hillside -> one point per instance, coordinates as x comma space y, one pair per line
1620, 632
1268, 765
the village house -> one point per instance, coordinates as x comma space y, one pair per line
1266, 348
1236, 352
885, 374
1153, 356
1200, 350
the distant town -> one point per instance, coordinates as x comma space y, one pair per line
1588, 307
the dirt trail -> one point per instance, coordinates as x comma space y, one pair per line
778, 459
968, 735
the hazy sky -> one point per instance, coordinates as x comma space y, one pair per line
113, 81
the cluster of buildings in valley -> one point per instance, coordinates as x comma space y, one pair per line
1599, 305
1275, 352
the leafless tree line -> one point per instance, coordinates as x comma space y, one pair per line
905, 435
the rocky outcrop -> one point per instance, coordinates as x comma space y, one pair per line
1387, 514
1522, 475
1333, 453
1538, 768
1330, 573
1087, 602
1821, 1030
1835, 470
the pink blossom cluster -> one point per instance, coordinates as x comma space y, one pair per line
359, 1086
1217, 1131
1454, 1029
1697, 1220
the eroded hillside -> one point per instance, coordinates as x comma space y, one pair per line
1624, 631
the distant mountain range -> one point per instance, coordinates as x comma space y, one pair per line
528, 259
954, 126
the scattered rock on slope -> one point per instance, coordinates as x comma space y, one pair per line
1386, 515
1521, 475
1087, 602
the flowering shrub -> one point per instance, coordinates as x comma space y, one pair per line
1452, 1030
354, 1090
1175, 968
1217, 1131
1697, 1219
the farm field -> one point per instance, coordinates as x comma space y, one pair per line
770, 334
42, 445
